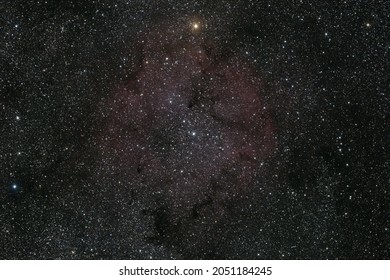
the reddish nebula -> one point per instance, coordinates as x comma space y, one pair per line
189, 127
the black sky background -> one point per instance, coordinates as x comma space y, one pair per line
323, 193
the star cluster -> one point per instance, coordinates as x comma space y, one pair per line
194, 130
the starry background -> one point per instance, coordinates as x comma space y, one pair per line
194, 130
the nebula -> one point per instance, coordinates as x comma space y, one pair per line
190, 128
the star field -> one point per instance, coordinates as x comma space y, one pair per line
194, 130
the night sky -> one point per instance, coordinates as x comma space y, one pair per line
194, 129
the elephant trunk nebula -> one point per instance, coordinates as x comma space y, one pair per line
190, 128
